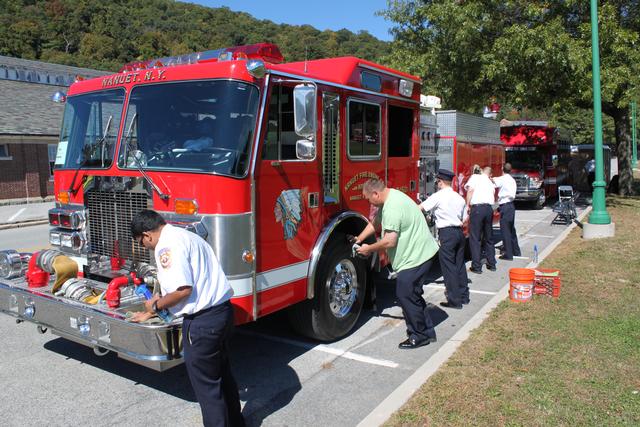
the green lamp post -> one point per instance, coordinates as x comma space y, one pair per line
599, 214
634, 158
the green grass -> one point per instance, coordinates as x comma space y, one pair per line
574, 360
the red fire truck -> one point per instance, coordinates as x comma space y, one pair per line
539, 155
262, 158
464, 140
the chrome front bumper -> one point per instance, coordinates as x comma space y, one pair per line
528, 195
155, 345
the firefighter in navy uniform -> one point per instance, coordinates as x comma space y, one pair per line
195, 288
507, 188
480, 198
450, 209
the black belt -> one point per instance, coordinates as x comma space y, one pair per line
208, 309
481, 204
450, 226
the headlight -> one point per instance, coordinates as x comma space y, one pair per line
65, 240
535, 182
54, 217
73, 240
69, 218
54, 238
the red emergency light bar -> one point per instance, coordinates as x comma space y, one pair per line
268, 52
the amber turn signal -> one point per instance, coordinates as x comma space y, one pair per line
247, 256
63, 197
186, 206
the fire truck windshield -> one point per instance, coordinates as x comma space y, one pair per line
199, 126
89, 129
529, 160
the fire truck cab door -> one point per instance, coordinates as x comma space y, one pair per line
288, 197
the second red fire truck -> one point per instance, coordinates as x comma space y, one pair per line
539, 155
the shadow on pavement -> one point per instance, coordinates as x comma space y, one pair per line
265, 380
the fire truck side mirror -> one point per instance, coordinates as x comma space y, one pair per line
304, 111
305, 149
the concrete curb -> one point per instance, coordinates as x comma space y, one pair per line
23, 224
32, 201
403, 393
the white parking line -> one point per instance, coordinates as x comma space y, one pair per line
378, 336
473, 291
541, 235
16, 215
323, 348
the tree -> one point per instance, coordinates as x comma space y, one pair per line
527, 53
99, 34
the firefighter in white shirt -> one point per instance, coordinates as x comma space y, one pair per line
195, 288
506, 195
480, 199
450, 211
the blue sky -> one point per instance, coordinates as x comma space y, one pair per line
354, 15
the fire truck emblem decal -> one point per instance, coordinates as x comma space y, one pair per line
288, 211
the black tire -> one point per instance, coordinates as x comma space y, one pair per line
325, 318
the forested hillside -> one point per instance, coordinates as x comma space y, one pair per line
106, 34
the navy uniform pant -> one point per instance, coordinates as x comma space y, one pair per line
414, 308
508, 230
451, 255
204, 338
480, 236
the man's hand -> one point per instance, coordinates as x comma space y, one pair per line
141, 316
351, 239
364, 250
148, 304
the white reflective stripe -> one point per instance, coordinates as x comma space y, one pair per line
551, 180
241, 287
280, 276
270, 279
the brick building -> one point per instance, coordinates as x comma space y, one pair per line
30, 124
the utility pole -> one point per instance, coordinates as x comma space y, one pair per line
599, 220
634, 158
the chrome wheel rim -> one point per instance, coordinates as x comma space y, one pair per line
342, 285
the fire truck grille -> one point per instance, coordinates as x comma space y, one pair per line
521, 181
110, 214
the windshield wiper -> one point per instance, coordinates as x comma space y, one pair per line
87, 156
130, 149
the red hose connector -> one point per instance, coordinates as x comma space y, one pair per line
112, 295
36, 277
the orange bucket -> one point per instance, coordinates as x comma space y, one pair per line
521, 281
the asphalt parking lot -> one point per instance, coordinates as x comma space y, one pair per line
283, 379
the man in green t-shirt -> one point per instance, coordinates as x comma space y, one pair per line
411, 249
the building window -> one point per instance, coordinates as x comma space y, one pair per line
4, 152
53, 149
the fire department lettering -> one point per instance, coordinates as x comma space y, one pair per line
165, 258
136, 77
